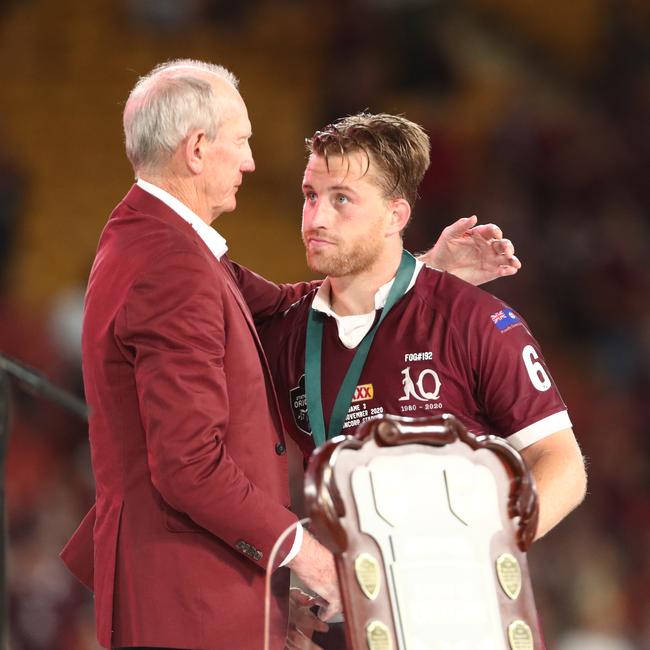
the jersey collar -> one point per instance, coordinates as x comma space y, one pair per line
323, 304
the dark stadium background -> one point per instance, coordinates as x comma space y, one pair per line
539, 115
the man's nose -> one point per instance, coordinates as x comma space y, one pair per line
248, 165
320, 215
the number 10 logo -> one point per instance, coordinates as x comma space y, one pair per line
417, 389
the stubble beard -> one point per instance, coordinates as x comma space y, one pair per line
341, 262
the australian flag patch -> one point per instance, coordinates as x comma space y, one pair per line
504, 319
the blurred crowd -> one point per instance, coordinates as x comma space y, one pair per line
553, 148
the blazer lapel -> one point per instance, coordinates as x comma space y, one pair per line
231, 281
142, 201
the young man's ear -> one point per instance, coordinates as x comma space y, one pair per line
193, 151
400, 213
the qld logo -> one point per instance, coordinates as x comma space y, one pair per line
427, 386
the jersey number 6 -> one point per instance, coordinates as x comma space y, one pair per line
538, 376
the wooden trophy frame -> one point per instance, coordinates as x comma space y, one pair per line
376, 617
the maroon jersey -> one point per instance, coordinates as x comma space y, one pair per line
445, 347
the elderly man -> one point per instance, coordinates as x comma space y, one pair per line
186, 437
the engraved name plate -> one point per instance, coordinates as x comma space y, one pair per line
378, 636
368, 575
520, 636
509, 574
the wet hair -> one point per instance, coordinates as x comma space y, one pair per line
397, 148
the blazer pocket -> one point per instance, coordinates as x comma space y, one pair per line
179, 522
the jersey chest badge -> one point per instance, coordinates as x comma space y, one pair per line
425, 388
298, 401
420, 390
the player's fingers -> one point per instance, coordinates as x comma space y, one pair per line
509, 269
487, 231
503, 247
461, 226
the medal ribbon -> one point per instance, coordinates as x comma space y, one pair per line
313, 353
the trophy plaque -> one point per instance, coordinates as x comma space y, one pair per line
429, 525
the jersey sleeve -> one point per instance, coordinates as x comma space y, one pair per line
283, 340
514, 384
272, 332
265, 298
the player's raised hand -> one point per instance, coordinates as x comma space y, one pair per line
477, 254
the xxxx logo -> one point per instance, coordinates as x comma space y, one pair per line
365, 391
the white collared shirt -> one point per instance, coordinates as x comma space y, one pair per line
211, 238
218, 247
353, 328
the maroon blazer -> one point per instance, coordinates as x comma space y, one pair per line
186, 442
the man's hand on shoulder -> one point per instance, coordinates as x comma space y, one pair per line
476, 254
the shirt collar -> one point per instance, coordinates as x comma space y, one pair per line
322, 303
211, 238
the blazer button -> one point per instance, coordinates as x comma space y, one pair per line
280, 448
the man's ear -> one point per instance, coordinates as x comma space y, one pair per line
400, 213
194, 151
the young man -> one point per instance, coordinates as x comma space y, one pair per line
441, 345
444, 347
